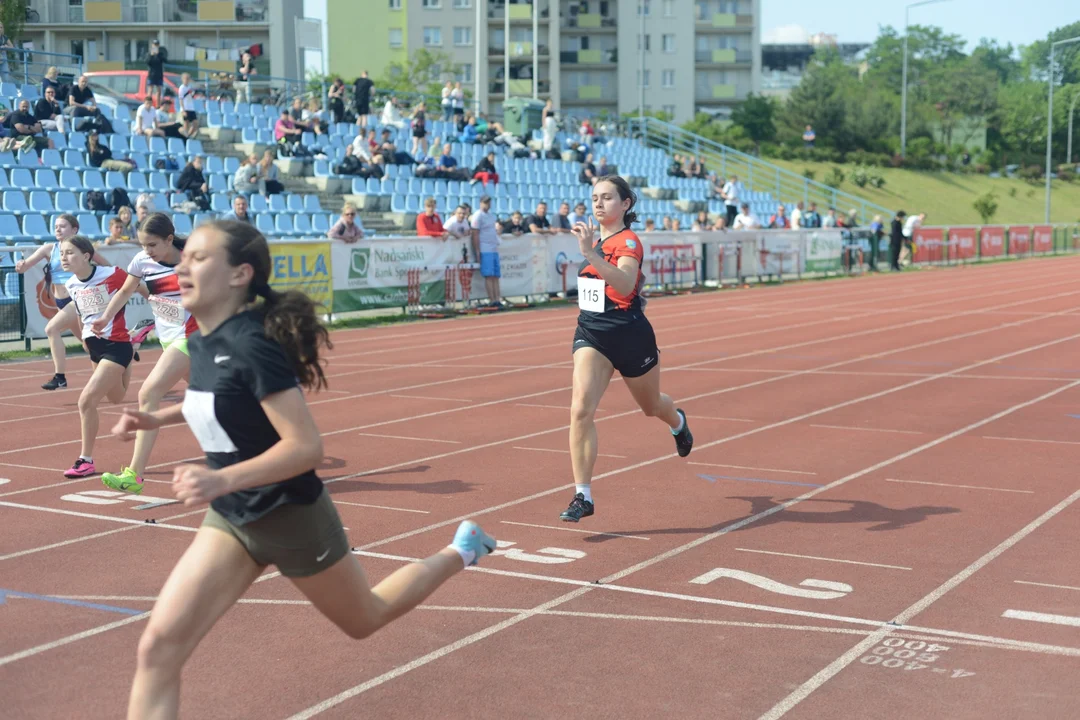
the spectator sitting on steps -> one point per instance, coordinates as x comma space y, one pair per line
745, 220
239, 210
538, 222
779, 219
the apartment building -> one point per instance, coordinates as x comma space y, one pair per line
698, 56
116, 34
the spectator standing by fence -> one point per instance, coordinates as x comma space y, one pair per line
896, 240
362, 88
485, 241
348, 228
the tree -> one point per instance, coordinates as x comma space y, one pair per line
965, 91
755, 116
1036, 57
1000, 60
928, 47
987, 206
818, 101
420, 77
13, 15
1019, 119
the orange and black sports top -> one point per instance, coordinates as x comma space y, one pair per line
618, 309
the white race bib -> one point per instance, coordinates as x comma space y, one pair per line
167, 309
92, 300
590, 294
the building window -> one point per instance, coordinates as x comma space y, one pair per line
462, 5
463, 36
668, 78
395, 37
669, 8
395, 4
669, 43
669, 109
646, 83
464, 74
75, 14
432, 37
647, 46
431, 4
138, 11
643, 8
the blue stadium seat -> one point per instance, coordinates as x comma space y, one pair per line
29, 160
93, 180
34, 226
311, 204
7, 160
114, 179
264, 222
258, 204
232, 164
302, 224
159, 182
283, 224
136, 182
22, 178
295, 203
73, 159
214, 164
88, 224
137, 143
15, 202
176, 146
220, 203
219, 182
277, 204
320, 223
10, 230
182, 224
41, 201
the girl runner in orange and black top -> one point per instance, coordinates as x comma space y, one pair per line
612, 334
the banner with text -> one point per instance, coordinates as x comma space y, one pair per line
1019, 239
375, 275
961, 243
823, 251
303, 266
1042, 239
992, 241
929, 245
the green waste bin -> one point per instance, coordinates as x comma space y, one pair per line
522, 115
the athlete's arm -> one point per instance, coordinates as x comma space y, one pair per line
133, 420
119, 300
300, 448
622, 277
37, 256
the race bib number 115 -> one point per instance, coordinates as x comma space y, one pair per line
591, 294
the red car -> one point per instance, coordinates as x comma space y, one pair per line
132, 84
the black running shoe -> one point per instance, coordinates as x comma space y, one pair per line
684, 441
579, 508
58, 381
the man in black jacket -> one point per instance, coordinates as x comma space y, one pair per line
896, 240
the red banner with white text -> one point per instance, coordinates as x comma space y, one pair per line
1019, 239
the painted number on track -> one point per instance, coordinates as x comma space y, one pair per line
544, 556
829, 590
894, 652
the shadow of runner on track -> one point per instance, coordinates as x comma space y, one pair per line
437, 487
880, 517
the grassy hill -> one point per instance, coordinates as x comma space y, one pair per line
947, 198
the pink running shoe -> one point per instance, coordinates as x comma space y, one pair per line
81, 468
141, 331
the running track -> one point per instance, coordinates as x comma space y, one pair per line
879, 517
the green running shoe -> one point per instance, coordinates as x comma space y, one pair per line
127, 481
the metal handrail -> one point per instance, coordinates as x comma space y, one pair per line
34, 63
756, 174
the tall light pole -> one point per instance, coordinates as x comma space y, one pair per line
1072, 106
903, 92
1050, 116
641, 78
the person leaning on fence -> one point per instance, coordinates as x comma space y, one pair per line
896, 240
348, 228
913, 223
429, 223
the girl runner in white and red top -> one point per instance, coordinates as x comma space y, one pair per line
92, 288
156, 266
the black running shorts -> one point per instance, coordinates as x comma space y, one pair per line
111, 350
631, 348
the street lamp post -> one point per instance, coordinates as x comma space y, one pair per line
1072, 107
1050, 116
903, 92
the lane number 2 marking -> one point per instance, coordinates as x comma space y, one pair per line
829, 590
544, 556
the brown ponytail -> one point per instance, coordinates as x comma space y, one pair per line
625, 193
290, 318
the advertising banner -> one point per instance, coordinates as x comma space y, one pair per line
823, 251
41, 306
1019, 239
375, 275
929, 245
306, 267
961, 243
1042, 239
992, 241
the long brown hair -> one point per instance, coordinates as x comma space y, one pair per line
625, 193
289, 318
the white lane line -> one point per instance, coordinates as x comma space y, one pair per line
965, 487
32, 467
816, 557
1042, 617
830, 671
37, 650
564, 452
1059, 587
747, 467
867, 429
406, 437
1034, 440
583, 532
727, 419
421, 397
92, 516
381, 507
549, 407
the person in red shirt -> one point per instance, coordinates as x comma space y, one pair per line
612, 334
428, 223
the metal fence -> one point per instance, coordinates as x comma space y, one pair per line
20, 65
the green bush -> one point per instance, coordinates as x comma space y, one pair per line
808, 174
835, 178
859, 176
987, 206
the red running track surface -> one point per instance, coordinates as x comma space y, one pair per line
879, 517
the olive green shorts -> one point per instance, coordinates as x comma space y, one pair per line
301, 540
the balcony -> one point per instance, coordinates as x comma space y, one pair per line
519, 50
588, 22
519, 88
589, 57
519, 13
723, 56
720, 93
590, 94
59, 12
725, 22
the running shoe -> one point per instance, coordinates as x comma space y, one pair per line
127, 481
81, 468
142, 329
684, 441
579, 508
471, 537
58, 381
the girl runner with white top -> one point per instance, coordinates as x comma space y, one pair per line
156, 265
66, 318
91, 288
254, 349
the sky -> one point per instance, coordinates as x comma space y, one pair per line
854, 21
